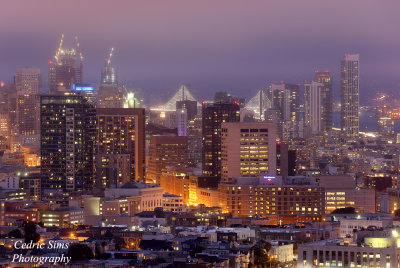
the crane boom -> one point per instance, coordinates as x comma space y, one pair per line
59, 48
110, 56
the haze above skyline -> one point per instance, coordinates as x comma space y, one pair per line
232, 46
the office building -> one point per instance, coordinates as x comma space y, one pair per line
8, 109
327, 98
68, 134
386, 127
121, 135
313, 105
213, 115
110, 96
28, 83
166, 151
350, 76
285, 98
284, 110
194, 133
248, 149
342, 192
296, 196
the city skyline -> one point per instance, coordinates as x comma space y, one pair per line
210, 48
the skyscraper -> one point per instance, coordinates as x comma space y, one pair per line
121, 135
248, 149
350, 94
285, 101
327, 98
66, 69
8, 110
68, 134
313, 105
110, 93
28, 83
214, 114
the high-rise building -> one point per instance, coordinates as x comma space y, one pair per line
190, 106
195, 140
285, 160
213, 115
68, 134
121, 134
248, 149
182, 121
110, 93
285, 98
313, 104
285, 103
166, 151
327, 99
386, 127
28, 83
350, 94
8, 111
110, 96
66, 69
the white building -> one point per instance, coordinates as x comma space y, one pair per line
282, 253
377, 252
313, 98
347, 226
10, 183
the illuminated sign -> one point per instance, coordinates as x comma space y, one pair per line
269, 178
82, 87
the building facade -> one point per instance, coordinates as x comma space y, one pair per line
350, 77
248, 149
327, 99
313, 105
166, 151
270, 195
213, 116
68, 134
28, 83
121, 134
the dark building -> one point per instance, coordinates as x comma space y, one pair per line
213, 115
66, 69
285, 160
31, 185
378, 182
121, 140
222, 96
68, 133
191, 108
327, 99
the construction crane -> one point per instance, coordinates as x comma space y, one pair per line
78, 47
57, 56
108, 60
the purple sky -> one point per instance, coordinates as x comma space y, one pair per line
237, 46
